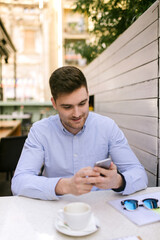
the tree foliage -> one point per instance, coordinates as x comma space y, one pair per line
109, 19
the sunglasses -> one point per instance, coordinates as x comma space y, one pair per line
131, 204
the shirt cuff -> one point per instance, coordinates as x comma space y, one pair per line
121, 188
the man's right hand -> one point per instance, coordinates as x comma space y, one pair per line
82, 182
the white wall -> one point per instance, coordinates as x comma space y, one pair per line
124, 80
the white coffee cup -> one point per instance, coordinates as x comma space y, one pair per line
76, 215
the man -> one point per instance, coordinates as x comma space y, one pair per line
68, 145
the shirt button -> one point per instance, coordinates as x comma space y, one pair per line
75, 155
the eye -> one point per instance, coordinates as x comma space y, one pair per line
82, 103
66, 107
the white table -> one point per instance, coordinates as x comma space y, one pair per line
29, 219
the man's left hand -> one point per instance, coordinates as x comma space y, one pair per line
110, 179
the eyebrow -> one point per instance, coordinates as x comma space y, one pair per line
67, 104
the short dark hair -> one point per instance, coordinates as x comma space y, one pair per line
65, 80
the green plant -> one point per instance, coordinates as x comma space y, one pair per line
109, 19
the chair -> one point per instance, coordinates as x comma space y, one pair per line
5, 188
10, 151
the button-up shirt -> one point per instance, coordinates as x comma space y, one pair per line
63, 154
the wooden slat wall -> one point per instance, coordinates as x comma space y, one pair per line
125, 84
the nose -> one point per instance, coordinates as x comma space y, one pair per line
76, 112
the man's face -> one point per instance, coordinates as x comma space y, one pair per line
73, 109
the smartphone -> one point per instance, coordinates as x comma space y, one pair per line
104, 163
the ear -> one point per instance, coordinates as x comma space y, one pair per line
53, 103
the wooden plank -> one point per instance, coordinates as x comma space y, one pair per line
134, 45
151, 180
158, 167
159, 73
150, 16
159, 105
148, 160
142, 124
141, 90
142, 141
142, 57
158, 133
140, 74
158, 181
159, 20
146, 19
159, 146
147, 107
124, 81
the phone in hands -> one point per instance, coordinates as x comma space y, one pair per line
104, 163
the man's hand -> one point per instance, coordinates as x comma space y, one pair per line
82, 182
110, 178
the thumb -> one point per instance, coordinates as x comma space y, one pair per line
112, 166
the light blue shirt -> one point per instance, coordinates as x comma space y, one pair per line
63, 154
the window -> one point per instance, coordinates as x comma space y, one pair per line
71, 57
29, 40
74, 23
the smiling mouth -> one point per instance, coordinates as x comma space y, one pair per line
76, 119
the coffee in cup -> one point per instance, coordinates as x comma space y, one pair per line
76, 215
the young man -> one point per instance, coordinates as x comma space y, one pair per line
68, 145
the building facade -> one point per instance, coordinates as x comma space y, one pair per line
42, 32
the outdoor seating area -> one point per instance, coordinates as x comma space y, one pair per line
14, 128
81, 91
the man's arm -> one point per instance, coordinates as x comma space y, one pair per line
26, 180
126, 162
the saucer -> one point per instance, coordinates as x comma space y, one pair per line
92, 227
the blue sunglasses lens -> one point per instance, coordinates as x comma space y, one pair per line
130, 204
150, 203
